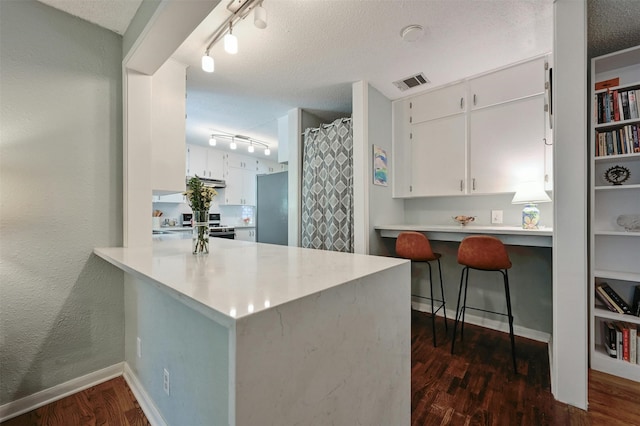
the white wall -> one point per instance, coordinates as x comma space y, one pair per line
570, 279
61, 308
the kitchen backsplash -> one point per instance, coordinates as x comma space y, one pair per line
229, 215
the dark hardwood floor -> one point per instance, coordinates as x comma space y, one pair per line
476, 386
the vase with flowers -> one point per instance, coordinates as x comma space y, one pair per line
199, 198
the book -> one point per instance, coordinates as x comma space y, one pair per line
616, 109
619, 340
615, 298
633, 344
609, 339
636, 302
608, 299
624, 113
612, 82
633, 106
625, 341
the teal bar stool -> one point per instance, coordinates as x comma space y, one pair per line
415, 246
483, 253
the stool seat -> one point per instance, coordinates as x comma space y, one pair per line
483, 252
415, 246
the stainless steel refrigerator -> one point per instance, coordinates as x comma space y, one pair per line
272, 209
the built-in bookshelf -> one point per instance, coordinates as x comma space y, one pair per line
614, 191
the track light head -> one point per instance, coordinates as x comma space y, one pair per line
207, 62
267, 151
212, 141
260, 17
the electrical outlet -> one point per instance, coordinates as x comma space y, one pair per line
165, 381
139, 348
496, 216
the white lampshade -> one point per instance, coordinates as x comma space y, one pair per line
231, 43
267, 151
212, 141
207, 63
233, 145
260, 17
250, 148
530, 192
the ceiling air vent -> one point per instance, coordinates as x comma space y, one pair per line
411, 82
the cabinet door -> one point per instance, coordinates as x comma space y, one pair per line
438, 157
215, 162
249, 187
197, 161
246, 234
401, 150
438, 103
233, 193
511, 83
507, 145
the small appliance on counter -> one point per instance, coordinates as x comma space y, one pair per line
186, 219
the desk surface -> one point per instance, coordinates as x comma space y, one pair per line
511, 235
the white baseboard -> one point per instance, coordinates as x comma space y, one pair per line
469, 318
146, 403
55, 393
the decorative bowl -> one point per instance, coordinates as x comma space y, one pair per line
630, 222
463, 220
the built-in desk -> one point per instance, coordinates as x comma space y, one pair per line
510, 235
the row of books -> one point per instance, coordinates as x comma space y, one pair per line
625, 140
615, 303
621, 340
617, 105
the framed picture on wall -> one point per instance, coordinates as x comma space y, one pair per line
380, 170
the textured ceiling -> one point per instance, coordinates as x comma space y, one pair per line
114, 15
312, 50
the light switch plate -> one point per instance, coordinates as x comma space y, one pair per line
496, 216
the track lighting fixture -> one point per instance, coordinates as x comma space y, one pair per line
260, 17
217, 136
230, 42
239, 10
207, 62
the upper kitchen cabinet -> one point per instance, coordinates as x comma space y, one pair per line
168, 89
240, 177
205, 162
439, 103
512, 83
484, 135
266, 167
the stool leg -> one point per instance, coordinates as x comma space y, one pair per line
444, 308
455, 323
433, 314
513, 340
464, 303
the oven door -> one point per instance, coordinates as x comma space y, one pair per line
223, 233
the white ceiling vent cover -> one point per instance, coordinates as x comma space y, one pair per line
411, 82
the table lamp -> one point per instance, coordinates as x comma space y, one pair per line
530, 194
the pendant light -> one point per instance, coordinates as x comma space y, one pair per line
250, 148
267, 151
230, 42
233, 145
260, 17
207, 62
212, 141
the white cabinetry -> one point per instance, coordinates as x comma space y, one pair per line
177, 197
205, 162
246, 234
481, 136
240, 177
614, 252
266, 167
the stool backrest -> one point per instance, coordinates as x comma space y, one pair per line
483, 252
415, 246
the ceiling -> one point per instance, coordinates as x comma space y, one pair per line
313, 50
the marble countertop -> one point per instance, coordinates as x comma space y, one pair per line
240, 278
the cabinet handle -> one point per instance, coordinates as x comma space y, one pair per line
474, 98
461, 185
461, 103
474, 184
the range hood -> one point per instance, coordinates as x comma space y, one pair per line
209, 182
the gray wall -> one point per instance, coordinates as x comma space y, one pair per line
61, 308
383, 209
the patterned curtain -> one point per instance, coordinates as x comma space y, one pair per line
327, 187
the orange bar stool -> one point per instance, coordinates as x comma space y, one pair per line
416, 247
483, 253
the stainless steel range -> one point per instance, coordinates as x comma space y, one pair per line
220, 231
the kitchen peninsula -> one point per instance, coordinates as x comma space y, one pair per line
265, 334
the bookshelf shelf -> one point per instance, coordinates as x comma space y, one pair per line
612, 251
602, 312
